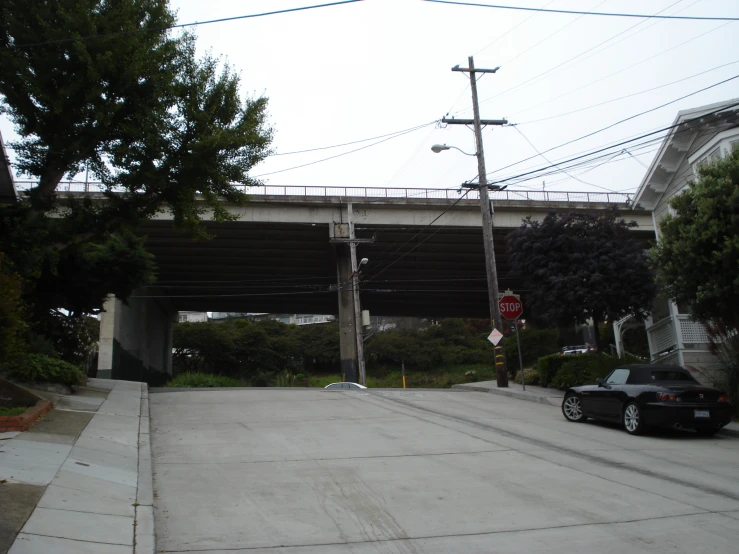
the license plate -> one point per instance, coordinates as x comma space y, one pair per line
702, 413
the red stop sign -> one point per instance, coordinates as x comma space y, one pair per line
510, 307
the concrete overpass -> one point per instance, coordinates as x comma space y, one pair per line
426, 257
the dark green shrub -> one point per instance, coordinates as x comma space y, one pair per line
576, 370
585, 369
547, 367
535, 343
203, 380
532, 377
39, 368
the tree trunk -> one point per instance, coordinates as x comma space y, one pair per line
49, 181
596, 334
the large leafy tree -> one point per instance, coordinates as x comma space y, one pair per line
104, 84
578, 266
697, 256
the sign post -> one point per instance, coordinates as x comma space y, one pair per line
511, 308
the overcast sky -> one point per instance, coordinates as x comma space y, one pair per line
345, 73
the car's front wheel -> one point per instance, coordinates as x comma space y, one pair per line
633, 420
572, 408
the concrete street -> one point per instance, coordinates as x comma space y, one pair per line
323, 472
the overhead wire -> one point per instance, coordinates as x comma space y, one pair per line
620, 122
184, 25
582, 12
353, 142
344, 153
627, 95
593, 51
600, 79
650, 134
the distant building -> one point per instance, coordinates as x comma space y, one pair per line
192, 317
698, 136
295, 319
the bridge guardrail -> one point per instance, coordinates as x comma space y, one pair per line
381, 192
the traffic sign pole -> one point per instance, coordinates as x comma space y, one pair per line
520, 358
511, 308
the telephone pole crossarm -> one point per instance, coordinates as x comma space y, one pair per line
473, 70
454, 121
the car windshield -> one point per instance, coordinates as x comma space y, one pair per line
618, 377
672, 376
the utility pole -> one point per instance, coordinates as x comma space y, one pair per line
358, 330
486, 206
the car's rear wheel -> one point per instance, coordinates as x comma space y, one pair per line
633, 420
572, 408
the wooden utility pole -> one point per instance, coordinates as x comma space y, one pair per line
486, 206
358, 329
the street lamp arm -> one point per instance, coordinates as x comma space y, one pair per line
436, 148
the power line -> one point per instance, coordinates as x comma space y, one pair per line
183, 25
578, 12
546, 38
623, 121
345, 153
628, 95
353, 142
718, 110
596, 81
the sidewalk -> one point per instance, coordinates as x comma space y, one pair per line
541, 395
92, 459
552, 397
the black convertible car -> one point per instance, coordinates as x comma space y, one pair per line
643, 396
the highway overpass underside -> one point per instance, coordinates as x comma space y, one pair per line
292, 268
280, 258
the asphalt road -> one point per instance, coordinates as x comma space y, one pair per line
327, 472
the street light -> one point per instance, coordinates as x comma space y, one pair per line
436, 148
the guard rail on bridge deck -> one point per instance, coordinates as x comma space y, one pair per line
375, 192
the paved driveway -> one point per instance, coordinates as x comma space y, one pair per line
327, 472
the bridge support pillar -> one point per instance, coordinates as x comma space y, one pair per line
136, 340
347, 338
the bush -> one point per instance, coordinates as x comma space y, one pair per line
532, 377
39, 368
203, 380
585, 369
534, 344
547, 367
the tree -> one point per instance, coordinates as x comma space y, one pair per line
697, 257
697, 260
106, 85
579, 266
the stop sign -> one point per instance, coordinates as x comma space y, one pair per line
510, 307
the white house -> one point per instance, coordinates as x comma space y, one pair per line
697, 136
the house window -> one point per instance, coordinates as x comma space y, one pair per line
183, 318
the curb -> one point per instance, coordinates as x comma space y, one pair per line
728, 432
549, 400
552, 401
24, 421
145, 536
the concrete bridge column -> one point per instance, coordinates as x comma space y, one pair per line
136, 339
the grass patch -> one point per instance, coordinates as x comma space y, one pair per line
203, 380
12, 411
437, 378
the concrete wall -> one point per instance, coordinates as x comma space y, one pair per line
136, 340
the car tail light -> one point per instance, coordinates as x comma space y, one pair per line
723, 398
668, 397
